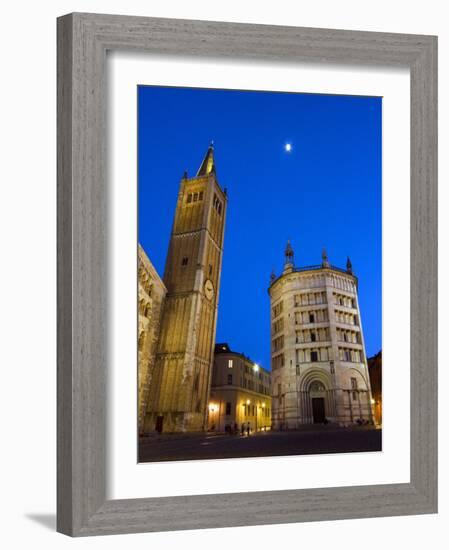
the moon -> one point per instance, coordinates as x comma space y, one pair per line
288, 147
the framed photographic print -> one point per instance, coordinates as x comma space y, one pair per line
246, 274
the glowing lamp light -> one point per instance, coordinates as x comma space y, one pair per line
372, 401
248, 401
212, 407
288, 147
256, 367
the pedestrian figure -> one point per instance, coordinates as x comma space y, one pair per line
248, 428
243, 428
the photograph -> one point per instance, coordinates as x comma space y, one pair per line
259, 273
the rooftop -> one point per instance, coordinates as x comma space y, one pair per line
289, 265
317, 267
223, 347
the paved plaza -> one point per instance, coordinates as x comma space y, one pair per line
310, 440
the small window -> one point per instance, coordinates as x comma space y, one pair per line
217, 204
230, 379
141, 340
200, 196
189, 198
314, 356
313, 337
311, 318
228, 409
210, 270
195, 197
230, 363
354, 387
185, 260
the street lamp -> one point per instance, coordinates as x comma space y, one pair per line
248, 402
263, 416
212, 409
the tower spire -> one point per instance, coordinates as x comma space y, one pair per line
348, 265
208, 165
289, 257
324, 258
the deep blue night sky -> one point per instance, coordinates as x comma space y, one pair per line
325, 193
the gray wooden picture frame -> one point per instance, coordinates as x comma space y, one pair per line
83, 40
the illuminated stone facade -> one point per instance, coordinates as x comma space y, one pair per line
319, 366
180, 382
240, 393
375, 376
151, 295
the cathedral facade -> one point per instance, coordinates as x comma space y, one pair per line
151, 297
177, 397
319, 365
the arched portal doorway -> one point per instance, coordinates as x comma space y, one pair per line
316, 398
317, 393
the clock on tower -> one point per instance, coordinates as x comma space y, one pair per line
209, 289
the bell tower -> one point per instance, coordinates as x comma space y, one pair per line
180, 389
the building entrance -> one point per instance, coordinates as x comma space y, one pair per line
159, 423
318, 410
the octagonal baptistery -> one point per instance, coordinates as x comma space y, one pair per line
319, 366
